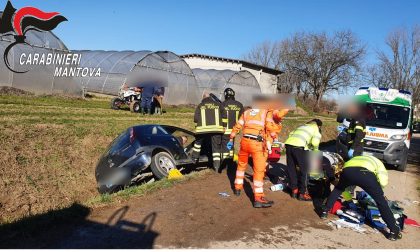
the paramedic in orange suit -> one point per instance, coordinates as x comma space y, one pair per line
254, 124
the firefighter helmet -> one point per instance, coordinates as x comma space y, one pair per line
229, 93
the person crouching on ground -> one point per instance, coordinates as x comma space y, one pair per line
370, 174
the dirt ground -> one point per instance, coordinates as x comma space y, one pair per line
194, 215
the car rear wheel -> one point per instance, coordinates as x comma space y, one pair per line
135, 107
161, 164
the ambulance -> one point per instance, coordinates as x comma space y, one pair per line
388, 126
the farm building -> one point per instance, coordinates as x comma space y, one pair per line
266, 77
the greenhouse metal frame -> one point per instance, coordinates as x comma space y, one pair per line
136, 67
40, 78
215, 81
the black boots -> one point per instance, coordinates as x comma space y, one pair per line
305, 197
261, 202
323, 213
393, 236
237, 192
294, 194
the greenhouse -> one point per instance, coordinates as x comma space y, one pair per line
39, 78
136, 67
215, 81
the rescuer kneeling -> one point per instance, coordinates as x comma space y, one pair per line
370, 174
253, 124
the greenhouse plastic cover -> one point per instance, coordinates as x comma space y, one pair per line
137, 67
216, 81
40, 79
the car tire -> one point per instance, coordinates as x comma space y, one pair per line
116, 103
135, 107
402, 167
162, 163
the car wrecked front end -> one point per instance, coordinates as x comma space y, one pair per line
110, 176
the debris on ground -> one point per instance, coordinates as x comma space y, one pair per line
411, 222
341, 223
175, 174
224, 194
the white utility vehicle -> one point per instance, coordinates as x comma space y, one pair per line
388, 127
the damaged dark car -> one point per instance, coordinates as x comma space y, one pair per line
145, 151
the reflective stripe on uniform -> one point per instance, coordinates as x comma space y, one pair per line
240, 173
203, 117
216, 116
228, 131
216, 156
258, 190
239, 181
197, 147
213, 128
259, 183
358, 127
255, 122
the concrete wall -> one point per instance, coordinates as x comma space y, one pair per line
268, 82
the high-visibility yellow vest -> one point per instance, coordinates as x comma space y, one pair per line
305, 136
372, 164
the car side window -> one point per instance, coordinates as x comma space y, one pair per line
157, 130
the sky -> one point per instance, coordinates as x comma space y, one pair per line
215, 27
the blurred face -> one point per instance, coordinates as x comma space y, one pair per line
184, 140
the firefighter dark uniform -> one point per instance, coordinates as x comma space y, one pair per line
370, 174
355, 135
208, 120
300, 141
231, 112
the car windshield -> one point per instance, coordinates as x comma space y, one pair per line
387, 116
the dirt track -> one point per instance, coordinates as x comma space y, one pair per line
194, 215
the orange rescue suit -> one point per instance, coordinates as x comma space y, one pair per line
254, 123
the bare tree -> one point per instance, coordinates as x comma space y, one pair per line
314, 63
325, 62
263, 54
399, 66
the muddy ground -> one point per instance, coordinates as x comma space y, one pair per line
194, 215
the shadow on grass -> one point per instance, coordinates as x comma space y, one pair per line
70, 228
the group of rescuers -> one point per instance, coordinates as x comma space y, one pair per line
217, 124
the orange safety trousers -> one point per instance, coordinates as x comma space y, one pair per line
259, 156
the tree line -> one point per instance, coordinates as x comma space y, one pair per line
315, 63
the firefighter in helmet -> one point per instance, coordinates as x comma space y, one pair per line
209, 128
231, 111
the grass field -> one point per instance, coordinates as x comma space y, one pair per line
50, 146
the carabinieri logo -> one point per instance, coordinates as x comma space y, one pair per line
19, 22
